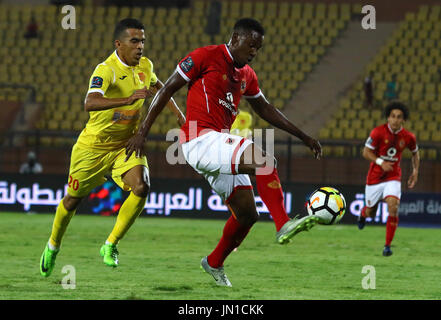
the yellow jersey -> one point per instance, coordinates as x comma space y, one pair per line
110, 129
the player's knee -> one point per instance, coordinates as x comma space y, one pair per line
141, 189
71, 203
248, 219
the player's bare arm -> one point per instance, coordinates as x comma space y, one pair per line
172, 85
271, 114
411, 182
95, 101
171, 104
369, 155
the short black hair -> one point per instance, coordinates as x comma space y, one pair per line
248, 25
397, 105
123, 25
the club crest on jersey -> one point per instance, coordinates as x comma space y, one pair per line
141, 76
97, 82
243, 85
401, 143
187, 64
229, 141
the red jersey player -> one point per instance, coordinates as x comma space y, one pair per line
217, 77
383, 149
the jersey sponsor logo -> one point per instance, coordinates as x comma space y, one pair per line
230, 104
97, 82
125, 116
230, 98
390, 155
123, 77
187, 64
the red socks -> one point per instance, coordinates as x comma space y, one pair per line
232, 237
363, 212
270, 191
391, 226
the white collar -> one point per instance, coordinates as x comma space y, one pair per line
390, 129
229, 53
125, 65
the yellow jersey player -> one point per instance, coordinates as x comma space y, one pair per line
117, 90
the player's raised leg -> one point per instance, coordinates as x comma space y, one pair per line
64, 213
243, 216
392, 223
137, 179
255, 161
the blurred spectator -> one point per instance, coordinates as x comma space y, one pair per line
32, 165
242, 126
213, 19
32, 29
391, 88
368, 90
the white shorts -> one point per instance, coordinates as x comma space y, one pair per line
376, 192
216, 156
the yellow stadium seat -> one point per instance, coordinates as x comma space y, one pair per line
349, 133
337, 133
325, 133
436, 136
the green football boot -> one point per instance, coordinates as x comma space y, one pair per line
294, 226
47, 261
110, 254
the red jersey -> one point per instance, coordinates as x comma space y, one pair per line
215, 89
388, 146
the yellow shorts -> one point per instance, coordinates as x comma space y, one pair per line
88, 169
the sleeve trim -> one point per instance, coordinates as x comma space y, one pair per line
95, 90
183, 75
255, 96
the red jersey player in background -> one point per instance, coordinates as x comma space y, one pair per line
217, 77
383, 149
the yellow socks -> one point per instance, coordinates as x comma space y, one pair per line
61, 221
129, 211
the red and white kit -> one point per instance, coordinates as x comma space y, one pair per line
389, 146
214, 92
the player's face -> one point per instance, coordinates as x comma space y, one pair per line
396, 119
244, 47
131, 45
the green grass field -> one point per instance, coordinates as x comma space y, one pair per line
159, 259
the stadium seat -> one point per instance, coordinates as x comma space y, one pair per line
77, 52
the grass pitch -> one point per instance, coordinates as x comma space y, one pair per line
159, 259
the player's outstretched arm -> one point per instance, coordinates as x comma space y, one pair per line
95, 101
172, 105
411, 182
271, 114
136, 143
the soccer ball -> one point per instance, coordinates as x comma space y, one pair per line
328, 204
